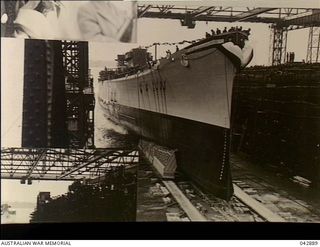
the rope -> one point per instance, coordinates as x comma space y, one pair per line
12, 125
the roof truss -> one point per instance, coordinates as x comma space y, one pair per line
63, 164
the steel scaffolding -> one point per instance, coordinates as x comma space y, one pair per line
58, 108
282, 20
278, 52
313, 45
62, 164
288, 16
79, 94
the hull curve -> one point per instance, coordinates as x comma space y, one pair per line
184, 103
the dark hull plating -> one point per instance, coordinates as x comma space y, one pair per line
203, 149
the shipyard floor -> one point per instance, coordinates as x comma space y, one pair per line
290, 199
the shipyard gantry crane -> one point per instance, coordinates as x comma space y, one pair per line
79, 94
313, 52
27, 164
281, 20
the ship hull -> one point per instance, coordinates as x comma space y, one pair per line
202, 149
184, 106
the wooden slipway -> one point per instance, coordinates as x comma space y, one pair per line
184, 202
256, 206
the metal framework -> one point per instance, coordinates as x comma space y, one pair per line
313, 45
287, 16
58, 97
279, 36
62, 164
282, 20
43, 122
79, 94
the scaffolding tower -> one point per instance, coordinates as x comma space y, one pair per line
58, 100
79, 94
313, 45
279, 36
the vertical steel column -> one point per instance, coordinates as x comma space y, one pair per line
44, 104
50, 81
279, 44
37, 64
79, 94
313, 45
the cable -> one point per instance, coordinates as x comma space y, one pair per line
12, 125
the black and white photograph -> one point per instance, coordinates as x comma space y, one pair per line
194, 112
102, 21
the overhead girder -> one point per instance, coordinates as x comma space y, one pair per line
305, 21
109, 157
282, 16
144, 10
214, 18
251, 13
62, 164
201, 10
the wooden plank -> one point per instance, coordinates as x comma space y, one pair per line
184, 202
256, 206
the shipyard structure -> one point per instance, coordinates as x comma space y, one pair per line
275, 117
192, 110
58, 98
